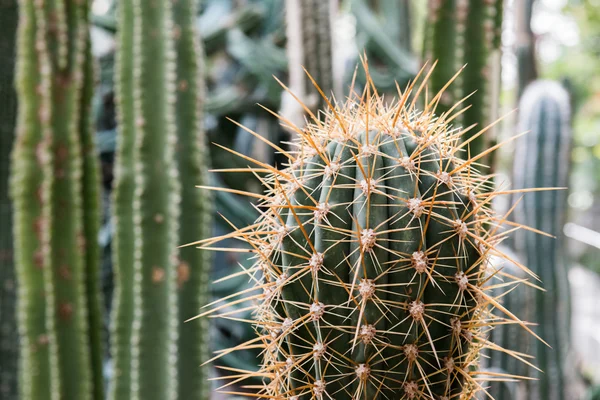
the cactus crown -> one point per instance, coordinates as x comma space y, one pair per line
371, 257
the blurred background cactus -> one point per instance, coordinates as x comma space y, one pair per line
505, 45
9, 348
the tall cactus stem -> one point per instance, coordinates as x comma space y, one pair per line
195, 219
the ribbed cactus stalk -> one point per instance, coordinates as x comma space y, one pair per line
195, 218
310, 45
466, 33
542, 159
161, 158
9, 341
54, 187
370, 259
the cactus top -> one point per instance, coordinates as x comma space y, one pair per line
370, 258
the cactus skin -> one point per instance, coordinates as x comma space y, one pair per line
371, 252
53, 189
124, 186
542, 159
9, 341
155, 204
195, 219
161, 157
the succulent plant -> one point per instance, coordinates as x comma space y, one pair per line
54, 187
370, 258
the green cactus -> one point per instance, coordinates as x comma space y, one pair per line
54, 187
309, 45
9, 347
195, 219
467, 33
525, 45
542, 159
161, 158
371, 252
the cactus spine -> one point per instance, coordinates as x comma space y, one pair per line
161, 157
54, 188
542, 159
371, 252
9, 348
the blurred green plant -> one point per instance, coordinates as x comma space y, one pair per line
9, 340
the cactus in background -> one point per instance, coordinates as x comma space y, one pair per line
542, 159
370, 259
54, 187
310, 46
161, 157
195, 218
525, 45
122, 209
467, 32
9, 342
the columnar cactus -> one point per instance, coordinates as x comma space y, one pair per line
542, 159
9, 348
54, 187
310, 46
161, 158
370, 259
466, 33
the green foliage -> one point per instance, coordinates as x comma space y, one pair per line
54, 188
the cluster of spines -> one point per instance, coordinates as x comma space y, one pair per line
160, 159
54, 187
314, 304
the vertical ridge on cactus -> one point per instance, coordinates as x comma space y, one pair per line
56, 213
371, 274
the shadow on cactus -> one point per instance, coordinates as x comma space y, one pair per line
370, 271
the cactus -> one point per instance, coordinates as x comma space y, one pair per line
310, 46
161, 158
370, 259
54, 188
9, 348
525, 45
467, 33
542, 159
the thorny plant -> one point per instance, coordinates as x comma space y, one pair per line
370, 254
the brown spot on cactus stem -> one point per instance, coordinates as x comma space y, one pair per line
38, 258
159, 218
183, 85
65, 311
183, 273
64, 272
176, 32
43, 340
158, 274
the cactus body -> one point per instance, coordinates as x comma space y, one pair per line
371, 252
160, 159
467, 33
54, 186
9, 341
542, 159
195, 216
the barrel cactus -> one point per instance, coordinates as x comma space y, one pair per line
371, 258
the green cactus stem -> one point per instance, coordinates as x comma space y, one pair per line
9, 340
56, 214
124, 187
371, 259
195, 219
542, 159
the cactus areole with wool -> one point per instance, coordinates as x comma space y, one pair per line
370, 258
